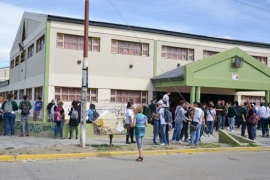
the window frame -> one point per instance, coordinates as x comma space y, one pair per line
40, 43
126, 95
30, 51
28, 92
176, 53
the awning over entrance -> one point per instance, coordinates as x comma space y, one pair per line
231, 69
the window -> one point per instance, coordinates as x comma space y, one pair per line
177, 53
29, 93
12, 64
70, 94
40, 43
30, 51
38, 92
261, 59
15, 92
21, 93
253, 99
23, 56
77, 42
17, 61
207, 54
123, 96
130, 48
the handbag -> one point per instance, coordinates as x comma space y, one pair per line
193, 127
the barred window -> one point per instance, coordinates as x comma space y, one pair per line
67, 41
261, 59
29, 93
23, 56
71, 94
41, 43
123, 96
30, 51
21, 93
177, 53
12, 64
38, 92
17, 61
207, 54
130, 48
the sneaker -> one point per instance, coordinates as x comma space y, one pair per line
180, 142
202, 137
231, 130
228, 128
128, 142
162, 144
5, 135
210, 135
12, 135
61, 138
190, 145
173, 141
28, 135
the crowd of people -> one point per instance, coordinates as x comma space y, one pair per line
198, 120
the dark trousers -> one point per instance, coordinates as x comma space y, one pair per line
184, 131
243, 128
130, 133
238, 121
9, 121
250, 132
264, 123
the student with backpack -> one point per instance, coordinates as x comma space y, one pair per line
92, 114
9, 107
37, 109
74, 120
25, 107
59, 116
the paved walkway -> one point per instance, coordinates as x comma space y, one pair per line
20, 142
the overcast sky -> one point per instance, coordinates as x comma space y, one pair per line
234, 19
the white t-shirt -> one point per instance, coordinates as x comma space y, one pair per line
161, 116
166, 98
198, 115
129, 113
210, 116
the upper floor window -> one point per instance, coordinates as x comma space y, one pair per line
29, 93
123, 96
261, 59
71, 94
21, 93
130, 48
12, 63
207, 54
23, 56
17, 61
40, 43
38, 92
77, 42
178, 53
30, 51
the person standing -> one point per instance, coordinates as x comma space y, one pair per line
9, 107
92, 114
249, 123
184, 132
129, 122
163, 126
210, 119
49, 107
198, 121
156, 119
179, 119
140, 121
25, 107
152, 106
166, 99
75, 116
59, 116
53, 108
244, 119
263, 113
37, 109
231, 115
219, 111
238, 114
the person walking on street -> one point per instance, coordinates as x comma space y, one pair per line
25, 107
140, 121
9, 107
37, 109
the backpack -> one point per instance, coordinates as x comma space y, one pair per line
74, 114
8, 107
253, 120
167, 115
25, 108
57, 115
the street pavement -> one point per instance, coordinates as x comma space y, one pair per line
210, 166
20, 142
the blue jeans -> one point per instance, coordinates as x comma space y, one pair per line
163, 134
222, 122
238, 121
58, 127
9, 121
209, 127
264, 123
243, 128
139, 141
195, 135
177, 130
156, 131
254, 131
231, 123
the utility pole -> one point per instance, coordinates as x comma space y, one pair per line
84, 75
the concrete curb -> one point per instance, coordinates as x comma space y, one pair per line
128, 153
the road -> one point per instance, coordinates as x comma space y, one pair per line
210, 166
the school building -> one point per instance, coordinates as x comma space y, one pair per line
139, 64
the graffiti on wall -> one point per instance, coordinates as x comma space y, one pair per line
39, 128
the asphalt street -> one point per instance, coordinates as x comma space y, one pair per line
210, 166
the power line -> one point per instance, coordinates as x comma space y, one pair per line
252, 6
141, 44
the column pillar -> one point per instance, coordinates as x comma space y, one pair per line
198, 93
192, 94
267, 96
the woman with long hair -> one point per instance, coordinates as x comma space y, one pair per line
74, 120
129, 121
59, 116
140, 121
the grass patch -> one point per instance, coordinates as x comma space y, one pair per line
106, 147
252, 145
8, 148
209, 145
